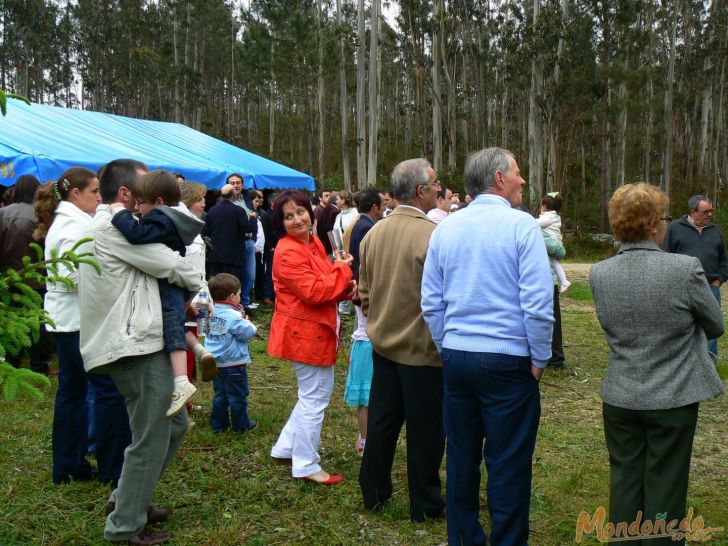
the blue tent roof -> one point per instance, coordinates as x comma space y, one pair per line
46, 140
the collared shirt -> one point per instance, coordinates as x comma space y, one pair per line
692, 223
437, 215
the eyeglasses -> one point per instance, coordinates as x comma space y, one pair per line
667, 219
435, 184
140, 202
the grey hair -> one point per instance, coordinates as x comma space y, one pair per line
481, 166
694, 202
407, 175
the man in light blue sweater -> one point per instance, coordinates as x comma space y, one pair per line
487, 297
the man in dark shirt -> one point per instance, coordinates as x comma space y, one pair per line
325, 215
695, 235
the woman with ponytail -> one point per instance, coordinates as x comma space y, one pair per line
64, 208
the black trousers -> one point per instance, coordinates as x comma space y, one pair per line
557, 343
213, 268
413, 394
649, 460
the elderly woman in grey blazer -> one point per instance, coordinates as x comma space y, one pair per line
656, 310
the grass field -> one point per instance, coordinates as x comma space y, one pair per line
223, 490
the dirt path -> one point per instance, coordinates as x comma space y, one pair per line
577, 271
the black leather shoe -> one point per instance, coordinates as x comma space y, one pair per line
155, 514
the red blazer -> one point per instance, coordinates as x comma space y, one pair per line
307, 287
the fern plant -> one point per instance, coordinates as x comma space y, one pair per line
22, 313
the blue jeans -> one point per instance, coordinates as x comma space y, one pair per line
493, 398
231, 390
248, 272
70, 416
713, 343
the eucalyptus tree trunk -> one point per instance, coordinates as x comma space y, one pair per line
451, 96
622, 133
720, 146
373, 93
320, 107
552, 175
408, 114
647, 139
707, 93
361, 135
343, 103
184, 115
271, 105
667, 162
606, 113
436, 94
535, 124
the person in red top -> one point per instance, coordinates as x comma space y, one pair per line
304, 330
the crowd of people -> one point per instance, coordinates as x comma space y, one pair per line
457, 315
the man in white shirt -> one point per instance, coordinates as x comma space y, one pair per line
440, 212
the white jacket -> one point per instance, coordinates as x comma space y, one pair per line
69, 225
121, 313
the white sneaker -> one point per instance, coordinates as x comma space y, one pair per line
181, 395
253, 305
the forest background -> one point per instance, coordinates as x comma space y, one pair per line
589, 94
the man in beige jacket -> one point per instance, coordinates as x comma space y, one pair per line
407, 377
121, 334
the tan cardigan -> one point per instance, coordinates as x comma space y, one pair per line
392, 258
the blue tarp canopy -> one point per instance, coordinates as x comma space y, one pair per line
46, 140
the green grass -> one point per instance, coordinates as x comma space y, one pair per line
223, 490
579, 291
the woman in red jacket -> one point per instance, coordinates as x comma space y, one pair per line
305, 330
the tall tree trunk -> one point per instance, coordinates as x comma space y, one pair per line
535, 125
451, 97
361, 135
647, 139
271, 105
622, 133
320, 108
343, 102
436, 94
667, 161
606, 113
373, 93
707, 93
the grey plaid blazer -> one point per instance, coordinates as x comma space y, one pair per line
657, 311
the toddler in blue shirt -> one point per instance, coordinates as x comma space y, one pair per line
227, 340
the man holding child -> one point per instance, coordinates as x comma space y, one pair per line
121, 334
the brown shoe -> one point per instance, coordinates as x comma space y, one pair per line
155, 514
207, 363
149, 537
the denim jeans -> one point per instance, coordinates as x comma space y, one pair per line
491, 398
70, 416
713, 343
248, 273
231, 390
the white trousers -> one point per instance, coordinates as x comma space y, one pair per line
299, 439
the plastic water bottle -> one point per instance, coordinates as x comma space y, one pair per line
203, 313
